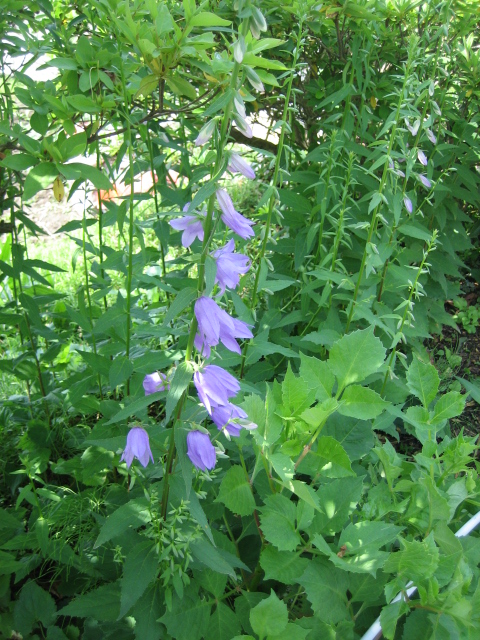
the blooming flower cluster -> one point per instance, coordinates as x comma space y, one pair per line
422, 158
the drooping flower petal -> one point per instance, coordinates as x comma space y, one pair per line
237, 164
200, 450
425, 181
224, 415
234, 220
138, 446
408, 204
422, 157
230, 266
215, 386
191, 225
155, 382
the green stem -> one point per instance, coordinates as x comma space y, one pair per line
100, 229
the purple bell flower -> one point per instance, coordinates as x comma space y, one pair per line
422, 157
425, 181
215, 386
230, 266
243, 125
215, 325
200, 450
155, 382
237, 164
408, 204
223, 415
431, 136
234, 220
413, 128
192, 227
138, 446
205, 134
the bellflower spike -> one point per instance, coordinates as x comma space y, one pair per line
422, 157
205, 134
234, 220
408, 204
191, 226
215, 325
230, 266
425, 181
155, 382
223, 415
215, 386
431, 136
200, 450
138, 446
237, 164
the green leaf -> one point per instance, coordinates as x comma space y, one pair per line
188, 618
291, 632
448, 406
34, 605
40, 177
330, 458
120, 370
223, 623
181, 87
263, 63
423, 381
356, 356
182, 300
103, 604
361, 402
208, 19
326, 589
364, 535
284, 566
473, 389
181, 380
269, 617
278, 522
212, 558
136, 407
18, 161
316, 374
139, 570
80, 171
417, 561
147, 612
235, 492
296, 396
389, 617
135, 513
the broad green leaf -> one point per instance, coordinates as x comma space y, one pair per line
147, 612
80, 171
473, 389
182, 300
136, 407
269, 617
223, 623
188, 618
120, 370
135, 513
33, 605
368, 535
361, 402
214, 558
102, 603
330, 459
139, 570
356, 356
284, 566
235, 492
263, 63
326, 589
337, 499
208, 19
365, 561
40, 177
423, 381
18, 161
448, 406
316, 374
278, 522
180, 382
181, 87
315, 416
416, 560
389, 617
296, 395
291, 632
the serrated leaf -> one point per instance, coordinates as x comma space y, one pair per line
120, 370
235, 492
269, 617
361, 402
188, 617
356, 356
278, 523
326, 588
448, 406
103, 604
33, 605
223, 623
135, 513
316, 374
423, 381
284, 566
139, 570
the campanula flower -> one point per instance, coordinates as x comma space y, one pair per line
413, 129
155, 382
200, 450
215, 386
243, 125
215, 325
224, 415
205, 133
408, 204
234, 220
425, 181
230, 266
192, 227
422, 157
237, 164
254, 79
138, 446
431, 136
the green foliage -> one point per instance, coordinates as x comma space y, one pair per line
353, 484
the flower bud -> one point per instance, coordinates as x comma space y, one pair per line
205, 133
239, 50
